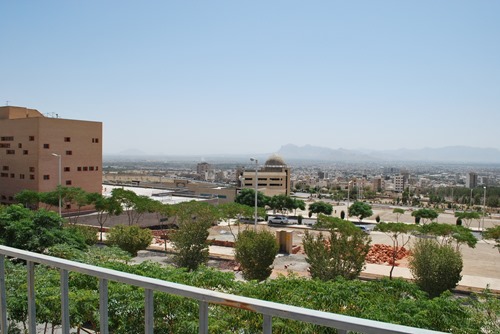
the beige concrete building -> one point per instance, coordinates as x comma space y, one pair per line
29, 143
273, 177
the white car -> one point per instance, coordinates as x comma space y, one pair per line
278, 220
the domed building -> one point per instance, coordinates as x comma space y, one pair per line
273, 177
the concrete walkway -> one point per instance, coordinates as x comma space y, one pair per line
468, 282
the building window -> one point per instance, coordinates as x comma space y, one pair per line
7, 138
46, 146
96, 167
85, 168
20, 145
69, 152
68, 182
91, 168
79, 169
12, 175
11, 152
95, 140
21, 176
4, 145
66, 169
68, 206
32, 169
4, 174
25, 152
5, 168
67, 139
31, 138
32, 177
46, 177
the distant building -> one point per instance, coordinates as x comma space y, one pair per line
321, 175
484, 181
406, 175
471, 180
377, 184
29, 147
205, 171
399, 183
203, 167
273, 177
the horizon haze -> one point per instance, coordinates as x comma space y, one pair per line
225, 77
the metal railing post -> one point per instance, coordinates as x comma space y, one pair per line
203, 319
267, 326
148, 311
65, 301
3, 297
31, 298
103, 305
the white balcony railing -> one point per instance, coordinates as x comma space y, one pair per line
343, 324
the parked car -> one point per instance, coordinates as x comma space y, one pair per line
278, 220
364, 228
309, 222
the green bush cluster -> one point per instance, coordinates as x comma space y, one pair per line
130, 238
255, 251
436, 268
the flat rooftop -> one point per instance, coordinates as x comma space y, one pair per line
160, 195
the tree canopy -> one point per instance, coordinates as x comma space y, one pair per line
493, 233
35, 231
247, 197
425, 214
360, 210
321, 207
190, 240
468, 217
398, 212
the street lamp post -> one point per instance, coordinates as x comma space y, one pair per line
348, 186
59, 183
256, 189
484, 206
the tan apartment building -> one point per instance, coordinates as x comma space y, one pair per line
30, 146
273, 178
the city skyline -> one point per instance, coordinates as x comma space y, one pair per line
200, 78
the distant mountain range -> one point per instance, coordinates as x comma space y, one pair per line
455, 154
291, 152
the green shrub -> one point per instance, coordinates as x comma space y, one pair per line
87, 233
436, 268
342, 254
130, 238
255, 251
299, 219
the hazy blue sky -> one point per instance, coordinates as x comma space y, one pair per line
211, 77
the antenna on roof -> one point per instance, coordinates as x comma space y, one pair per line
7, 102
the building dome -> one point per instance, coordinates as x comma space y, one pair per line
275, 160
